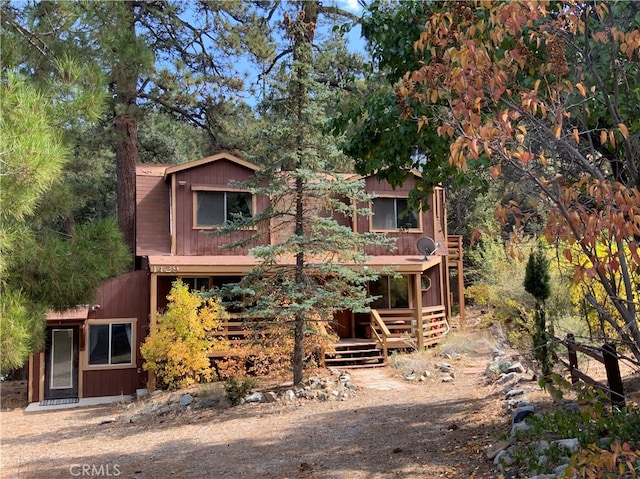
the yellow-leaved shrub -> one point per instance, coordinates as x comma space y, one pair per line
177, 348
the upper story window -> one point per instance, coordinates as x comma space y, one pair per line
215, 208
393, 214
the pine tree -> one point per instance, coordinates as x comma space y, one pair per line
314, 265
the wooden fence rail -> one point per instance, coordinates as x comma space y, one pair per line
606, 355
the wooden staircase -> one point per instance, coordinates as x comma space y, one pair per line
355, 353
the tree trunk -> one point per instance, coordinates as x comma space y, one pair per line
125, 76
302, 33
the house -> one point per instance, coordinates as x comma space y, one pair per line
94, 351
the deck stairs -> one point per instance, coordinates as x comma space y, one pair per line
355, 353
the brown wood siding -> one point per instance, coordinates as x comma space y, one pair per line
193, 242
153, 233
431, 297
406, 241
112, 382
126, 296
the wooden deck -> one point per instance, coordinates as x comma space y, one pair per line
405, 329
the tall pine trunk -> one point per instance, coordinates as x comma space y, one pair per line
302, 33
125, 77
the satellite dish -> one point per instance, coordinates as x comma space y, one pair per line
427, 246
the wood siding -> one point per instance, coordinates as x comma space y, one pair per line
433, 220
195, 242
153, 233
124, 297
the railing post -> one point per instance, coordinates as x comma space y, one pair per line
616, 390
573, 357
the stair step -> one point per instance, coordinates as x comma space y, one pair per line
357, 351
356, 366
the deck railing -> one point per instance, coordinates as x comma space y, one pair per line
405, 328
390, 329
233, 331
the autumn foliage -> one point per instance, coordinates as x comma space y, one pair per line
549, 91
177, 349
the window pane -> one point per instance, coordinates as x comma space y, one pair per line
384, 217
238, 203
98, 344
399, 291
406, 218
380, 287
61, 358
210, 208
121, 343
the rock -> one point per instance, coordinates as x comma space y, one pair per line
107, 420
140, 393
322, 396
494, 449
522, 413
271, 396
447, 379
516, 403
506, 378
558, 471
410, 377
572, 445
206, 403
186, 399
516, 368
514, 392
519, 427
254, 398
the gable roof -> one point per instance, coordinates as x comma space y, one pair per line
209, 159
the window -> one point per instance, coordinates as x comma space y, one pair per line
110, 344
393, 292
393, 214
198, 283
215, 208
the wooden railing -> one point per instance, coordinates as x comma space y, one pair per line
233, 331
606, 355
404, 328
390, 329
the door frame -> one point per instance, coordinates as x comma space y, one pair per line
61, 392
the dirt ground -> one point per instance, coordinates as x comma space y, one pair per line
390, 428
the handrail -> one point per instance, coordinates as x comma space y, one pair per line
377, 322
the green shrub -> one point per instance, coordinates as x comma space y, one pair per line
237, 388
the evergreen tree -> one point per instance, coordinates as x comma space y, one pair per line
314, 264
41, 267
537, 282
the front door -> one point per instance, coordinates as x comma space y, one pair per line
342, 323
61, 363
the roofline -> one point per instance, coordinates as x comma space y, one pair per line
360, 177
210, 159
221, 265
